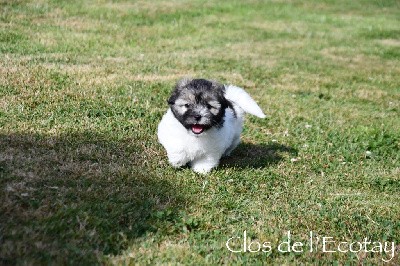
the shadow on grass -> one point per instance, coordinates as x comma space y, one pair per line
248, 155
72, 199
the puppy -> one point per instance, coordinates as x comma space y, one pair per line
204, 122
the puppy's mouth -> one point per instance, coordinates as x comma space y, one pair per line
197, 129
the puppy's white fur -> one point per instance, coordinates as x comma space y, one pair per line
204, 151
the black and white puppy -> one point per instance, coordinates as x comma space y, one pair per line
204, 122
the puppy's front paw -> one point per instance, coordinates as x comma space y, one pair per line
202, 169
177, 159
204, 165
177, 164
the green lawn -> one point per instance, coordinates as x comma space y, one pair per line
83, 85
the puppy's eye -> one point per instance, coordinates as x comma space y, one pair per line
186, 105
209, 106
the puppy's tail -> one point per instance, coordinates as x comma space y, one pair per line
242, 99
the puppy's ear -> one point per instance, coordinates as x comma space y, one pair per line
217, 86
174, 96
221, 95
178, 87
171, 100
183, 82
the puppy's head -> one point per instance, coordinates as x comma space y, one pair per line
199, 104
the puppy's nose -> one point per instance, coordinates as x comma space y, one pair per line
197, 117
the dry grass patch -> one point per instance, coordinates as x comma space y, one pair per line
77, 23
390, 42
359, 61
150, 8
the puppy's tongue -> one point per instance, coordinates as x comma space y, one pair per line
197, 129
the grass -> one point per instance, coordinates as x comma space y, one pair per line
83, 85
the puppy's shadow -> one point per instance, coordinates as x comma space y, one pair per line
257, 155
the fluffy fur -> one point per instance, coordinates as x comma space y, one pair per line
204, 122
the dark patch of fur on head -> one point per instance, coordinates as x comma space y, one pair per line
192, 98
